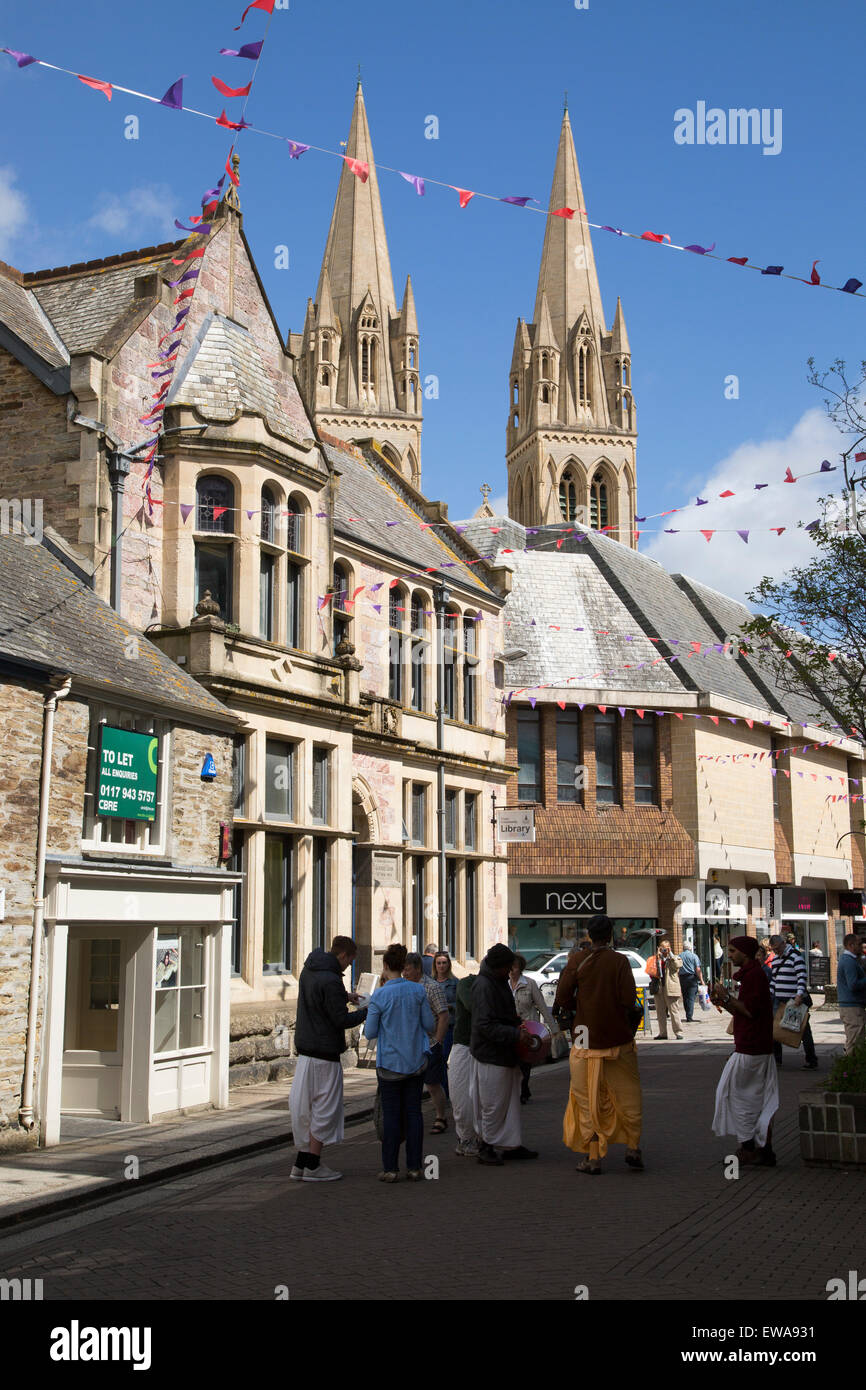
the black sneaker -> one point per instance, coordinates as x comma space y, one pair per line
487, 1154
521, 1153
810, 1066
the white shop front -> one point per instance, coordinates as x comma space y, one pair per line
137, 971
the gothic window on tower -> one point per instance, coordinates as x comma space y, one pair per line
598, 510
584, 364
568, 496
325, 377
326, 347
368, 367
545, 395
625, 380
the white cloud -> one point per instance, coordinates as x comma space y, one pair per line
726, 563
499, 505
14, 212
141, 213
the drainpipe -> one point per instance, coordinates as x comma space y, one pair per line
119, 465
441, 598
25, 1114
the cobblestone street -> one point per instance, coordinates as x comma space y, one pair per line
678, 1231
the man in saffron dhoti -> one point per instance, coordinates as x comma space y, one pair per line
747, 1096
604, 1099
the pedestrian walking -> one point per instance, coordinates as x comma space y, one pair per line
316, 1097
399, 1017
444, 976
718, 956
604, 1099
428, 957
788, 984
496, 1029
460, 1074
665, 967
747, 1096
763, 960
690, 978
531, 1008
851, 985
435, 1075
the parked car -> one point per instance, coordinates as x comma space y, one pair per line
546, 967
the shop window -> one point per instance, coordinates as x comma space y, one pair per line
569, 762
471, 909
277, 914
451, 818
607, 782
110, 831
320, 785
645, 761
528, 755
279, 780
320, 893
180, 990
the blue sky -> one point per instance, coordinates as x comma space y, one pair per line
72, 188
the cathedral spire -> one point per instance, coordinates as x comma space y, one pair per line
568, 275
356, 252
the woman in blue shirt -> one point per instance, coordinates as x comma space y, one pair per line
400, 1019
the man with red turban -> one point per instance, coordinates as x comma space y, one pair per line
747, 1096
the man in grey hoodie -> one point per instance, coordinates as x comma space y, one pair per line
316, 1098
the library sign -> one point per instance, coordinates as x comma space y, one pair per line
128, 764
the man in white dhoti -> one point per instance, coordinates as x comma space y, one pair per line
316, 1097
747, 1096
496, 1028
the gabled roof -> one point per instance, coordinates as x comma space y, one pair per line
85, 302
49, 618
22, 315
223, 374
372, 509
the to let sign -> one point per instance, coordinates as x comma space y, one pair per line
515, 827
128, 766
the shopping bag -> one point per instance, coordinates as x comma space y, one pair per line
789, 1022
704, 997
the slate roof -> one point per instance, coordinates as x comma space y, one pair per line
48, 617
590, 609
21, 312
223, 373
85, 302
373, 509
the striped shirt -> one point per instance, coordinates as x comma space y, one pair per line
788, 977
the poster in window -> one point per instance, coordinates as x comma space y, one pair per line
167, 960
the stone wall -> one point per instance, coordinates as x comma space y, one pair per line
37, 447
198, 807
262, 1043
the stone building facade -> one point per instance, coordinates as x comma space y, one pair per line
118, 892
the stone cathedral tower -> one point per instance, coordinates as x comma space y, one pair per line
571, 421
358, 364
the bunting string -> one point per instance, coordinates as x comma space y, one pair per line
173, 99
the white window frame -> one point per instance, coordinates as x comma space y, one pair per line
150, 836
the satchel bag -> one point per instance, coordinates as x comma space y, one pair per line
789, 1022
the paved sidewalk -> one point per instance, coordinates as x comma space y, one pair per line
94, 1163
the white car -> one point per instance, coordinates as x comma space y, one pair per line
547, 972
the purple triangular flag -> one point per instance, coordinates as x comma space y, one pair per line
701, 250
25, 59
416, 182
581, 706
378, 607
250, 515
744, 536
758, 486
617, 231
621, 709
850, 286
519, 202
185, 509
640, 518
532, 701
174, 95
670, 531
296, 149
772, 270
701, 502
827, 467
813, 525
247, 50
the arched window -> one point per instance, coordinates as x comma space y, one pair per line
568, 496
419, 651
396, 644
545, 395
470, 658
515, 392
412, 351
545, 361
598, 510
214, 558
267, 563
326, 347
450, 659
517, 513
339, 603
295, 566
324, 377
584, 372
625, 380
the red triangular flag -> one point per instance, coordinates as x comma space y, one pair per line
95, 83
564, 212
603, 709
738, 260
727, 494
715, 718
464, 194
708, 535
218, 511
229, 170
266, 5
789, 477
639, 712
779, 529
223, 120
561, 704
358, 168
231, 91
